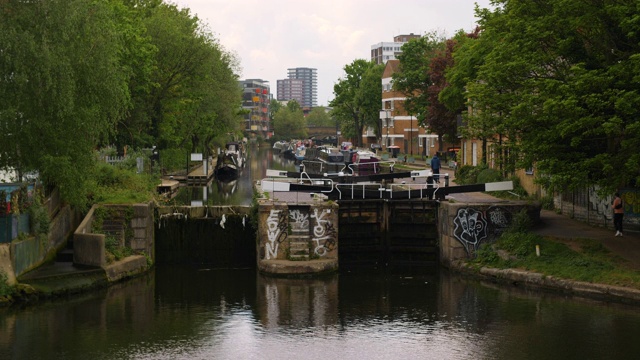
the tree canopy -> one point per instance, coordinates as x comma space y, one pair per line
289, 122
565, 97
63, 87
318, 116
358, 98
79, 74
423, 63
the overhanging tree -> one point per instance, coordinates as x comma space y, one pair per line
567, 95
63, 87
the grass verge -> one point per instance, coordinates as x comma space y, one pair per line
576, 259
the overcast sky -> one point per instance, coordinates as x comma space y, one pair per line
270, 37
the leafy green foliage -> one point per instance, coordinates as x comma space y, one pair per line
358, 99
559, 97
114, 250
289, 123
468, 174
115, 185
38, 215
66, 89
83, 74
5, 288
319, 117
174, 159
488, 175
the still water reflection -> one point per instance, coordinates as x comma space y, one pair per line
239, 191
187, 313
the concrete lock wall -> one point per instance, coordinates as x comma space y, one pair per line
464, 227
89, 247
32, 252
297, 238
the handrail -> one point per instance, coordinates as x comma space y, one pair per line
354, 185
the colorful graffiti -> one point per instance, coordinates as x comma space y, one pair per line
472, 226
631, 202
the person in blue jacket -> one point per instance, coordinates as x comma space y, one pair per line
435, 167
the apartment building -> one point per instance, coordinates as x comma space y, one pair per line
288, 89
256, 96
385, 51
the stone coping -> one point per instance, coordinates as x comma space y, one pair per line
297, 268
529, 279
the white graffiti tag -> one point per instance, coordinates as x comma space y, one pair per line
498, 218
322, 232
470, 229
300, 220
274, 231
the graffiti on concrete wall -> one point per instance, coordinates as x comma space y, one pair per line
631, 202
602, 206
299, 221
324, 233
276, 233
472, 226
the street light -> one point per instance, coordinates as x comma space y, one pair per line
384, 114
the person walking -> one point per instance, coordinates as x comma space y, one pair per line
435, 167
618, 213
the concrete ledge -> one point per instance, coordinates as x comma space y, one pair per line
127, 267
5, 263
535, 280
297, 268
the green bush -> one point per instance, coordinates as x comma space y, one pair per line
547, 202
488, 175
173, 160
114, 250
468, 174
5, 288
38, 216
116, 185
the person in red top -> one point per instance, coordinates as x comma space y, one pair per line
618, 213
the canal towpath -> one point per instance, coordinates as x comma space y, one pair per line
558, 226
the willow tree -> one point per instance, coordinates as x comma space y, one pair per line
62, 88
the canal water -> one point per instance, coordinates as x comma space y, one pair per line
178, 312
240, 191
200, 313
